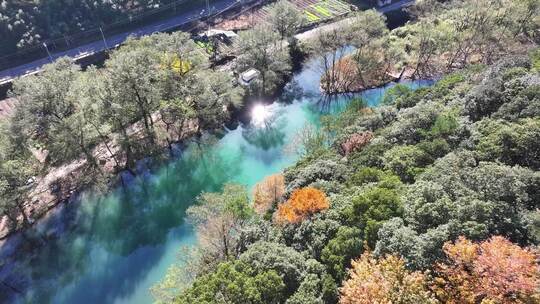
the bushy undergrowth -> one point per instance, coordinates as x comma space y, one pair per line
455, 160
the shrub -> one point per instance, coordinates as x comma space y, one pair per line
444, 86
318, 170
413, 124
339, 251
445, 125
395, 92
511, 143
535, 59
235, 282
489, 95
370, 156
364, 176
371, 208
312, 234
436, 148
413, 98
405, 161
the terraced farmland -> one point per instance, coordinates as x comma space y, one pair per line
320, 10
315, 11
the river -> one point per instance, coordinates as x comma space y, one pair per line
112, 247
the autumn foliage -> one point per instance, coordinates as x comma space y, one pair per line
268, 192
302, 203
356, 142
341, 77
494, 271
385, 280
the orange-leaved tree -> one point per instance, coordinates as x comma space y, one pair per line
302, 203
268, 192
384, 280
493, 271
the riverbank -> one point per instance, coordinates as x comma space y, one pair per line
60, 183
64, 183
114, 246
346, 77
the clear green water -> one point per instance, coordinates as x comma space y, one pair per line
111, 248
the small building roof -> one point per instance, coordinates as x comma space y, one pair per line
247, 76
250, 74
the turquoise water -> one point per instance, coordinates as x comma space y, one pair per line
112, 248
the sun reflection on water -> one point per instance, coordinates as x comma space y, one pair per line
259, 115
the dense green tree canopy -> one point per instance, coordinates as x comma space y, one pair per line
391, 203
28, 23
235, 282
150, 93
457, 159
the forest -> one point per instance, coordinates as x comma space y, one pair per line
152, 93
80, 128
431, 197
25, 23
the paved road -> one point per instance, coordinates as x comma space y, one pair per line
160, 26
113, 41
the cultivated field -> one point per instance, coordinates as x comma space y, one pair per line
315, 11
319, 10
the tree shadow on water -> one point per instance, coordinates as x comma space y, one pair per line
267, 137
333, 103
103, 246
291, 92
